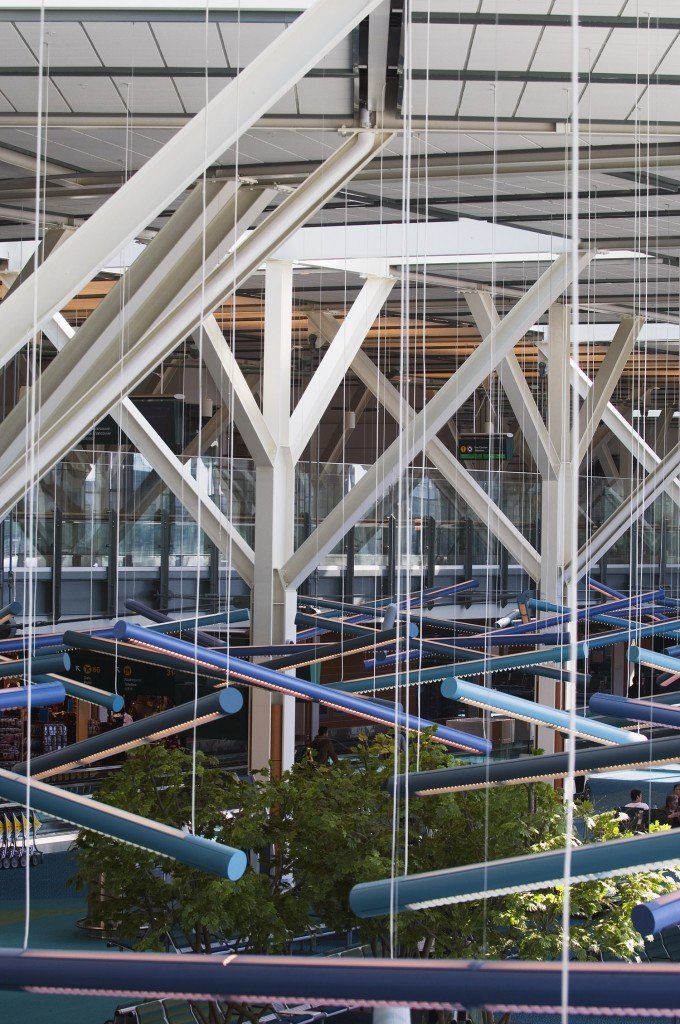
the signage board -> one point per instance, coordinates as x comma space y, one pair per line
485, 447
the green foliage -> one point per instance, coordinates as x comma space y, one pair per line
329, 827
530, 924
144, 897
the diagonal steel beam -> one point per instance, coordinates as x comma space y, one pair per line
177, 477
178, 163
513, 382
83, 397
606, 380
332, 369
624, 432
169, 266
439, 455
631, 509
425, 424
158, 455
70, 390
234, 388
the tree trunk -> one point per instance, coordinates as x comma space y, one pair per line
531, 795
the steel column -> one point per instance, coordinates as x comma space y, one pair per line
272, 730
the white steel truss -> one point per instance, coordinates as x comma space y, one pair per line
432, 418
178, 164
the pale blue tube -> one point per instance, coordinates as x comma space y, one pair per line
195, 851
515, 874
529, 711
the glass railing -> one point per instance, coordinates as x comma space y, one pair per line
95, 506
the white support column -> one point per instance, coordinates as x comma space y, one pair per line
555, 496
331, 371
439, 455
179, 163
606, 380
385, 471
272, 716
514, 384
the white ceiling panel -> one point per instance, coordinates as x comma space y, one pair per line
339, 57
286, 105
440, 46
499, 141
660, 103
503, 47
98, 150
655, 8
5, 105
243, 42
90, 95
484, 99
554, 49
280, 145
124, 43
150, 95
549, 100
325, 96
23, 95
7, 170
603, 7
438, 99
446, 6
604, 101
183, 45
13, 50
634, 52
670, 65
74, 148
192, 91
66, 42
528, 6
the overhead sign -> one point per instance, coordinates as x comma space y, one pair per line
485, 447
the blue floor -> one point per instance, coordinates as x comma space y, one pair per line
55, 908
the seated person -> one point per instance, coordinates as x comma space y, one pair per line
673, 810
636, 802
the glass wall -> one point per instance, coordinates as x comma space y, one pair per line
101, 502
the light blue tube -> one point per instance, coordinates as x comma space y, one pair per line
528, 710
41, 696
641, 656
81, 691
195, 851
515, 874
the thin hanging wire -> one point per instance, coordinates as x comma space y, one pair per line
199, 441
572, 588
32, 440
403, 517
